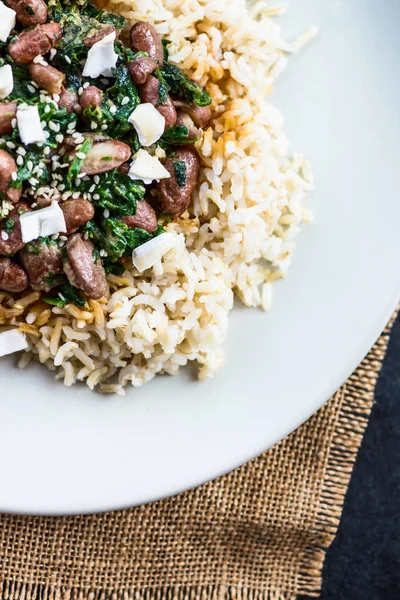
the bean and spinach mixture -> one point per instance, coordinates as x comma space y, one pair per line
89, 144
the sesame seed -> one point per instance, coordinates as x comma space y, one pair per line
96, 197
63, 166
106, 213
85, 85
61, 187
47, 150
59, 138
39, 172
85, 196
4, 235
53, 52
55, 236
14, 176
66, 195
55, 157
93, 125
21, 151
23, 105
42, 98
113, 109
81, 155
14, 123
124, 100
46, 134
104, 81
86, 236
67, 59
31, 88
54, 183
80, 90
63, 238
56, 97
81, 175
34, 84
92, 188
34, 205
77, 182
47, 108
10, 145
54, 126
76, 134
79, 140
33, 181
43, 124
29, 165
20, 160
96, 179
104, 127
75, 195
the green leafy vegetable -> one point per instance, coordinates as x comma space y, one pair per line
8, 225
163, 88
76, 164
184, 87
118, 193
67, 294
178, 134
114, 268
180, 172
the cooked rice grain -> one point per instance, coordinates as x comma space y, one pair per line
239, 235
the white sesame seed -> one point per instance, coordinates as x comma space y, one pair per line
14, 123
124, 100
96, 197
23, 105
79, 140
53, 52
86, 235
34, 205
104, 127
54, 126
59, 138
80, 90
92, 188
56, 97
85, 196
67, 59
63, 238
77, 182
66, 195
21, 151
14, 176
42, 98
61, 187
4, 235
104, 81
75, 195
55, 157
46, 134
106, 213
43, 123
86, 84
47, 108
93, 125
63, 166
20, 160
34, 84
39, 172
113, 109
54, 183
10, 145
33, 181
31, 88
55, 236
47, 150
29, 165
76, 134
81, 155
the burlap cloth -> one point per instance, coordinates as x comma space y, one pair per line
260, 532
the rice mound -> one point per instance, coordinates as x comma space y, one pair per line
238, 237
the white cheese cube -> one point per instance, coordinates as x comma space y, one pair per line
42, 223
29, 127
101, 58
144, 256
148, 122
147, 168
7, 21
11, 341
6, 81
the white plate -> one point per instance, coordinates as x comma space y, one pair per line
68, 450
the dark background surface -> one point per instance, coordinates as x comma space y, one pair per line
363, 562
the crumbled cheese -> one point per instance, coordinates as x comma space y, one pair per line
147, 168
146, 255
6, 81
148, 122
7, 21
101, 57
29, 127
42, 223
11, 341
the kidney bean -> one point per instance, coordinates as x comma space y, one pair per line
98, 34
8, 112
47, 77
29, 12
43, 262
13, 242
76, 213
35, 42
185, 120
144, 38
140, 68
175, 198
145, 217
8, 166
91, 96
12, 277
200, 115
104, 156
69, 101
148, 92
83, 269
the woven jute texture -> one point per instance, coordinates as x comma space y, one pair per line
259, 533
